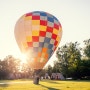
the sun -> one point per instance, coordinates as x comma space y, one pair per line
23, 58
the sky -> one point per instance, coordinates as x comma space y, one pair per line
74, 16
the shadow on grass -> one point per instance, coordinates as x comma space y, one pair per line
49, 88
4, 85
51, 81
78, 80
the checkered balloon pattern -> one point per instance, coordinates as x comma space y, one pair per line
38, 34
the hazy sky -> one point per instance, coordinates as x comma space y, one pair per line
74, 16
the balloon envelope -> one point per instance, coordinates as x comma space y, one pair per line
38, 34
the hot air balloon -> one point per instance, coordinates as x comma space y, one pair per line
38, 34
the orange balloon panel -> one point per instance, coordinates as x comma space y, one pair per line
38, 34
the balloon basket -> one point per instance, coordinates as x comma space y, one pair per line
36, 76
36, 80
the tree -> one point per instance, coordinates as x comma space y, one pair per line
49, 70
3, 69
9, 65
13, 64
87, 48
84, 69
56, 67
69, 57
85, 63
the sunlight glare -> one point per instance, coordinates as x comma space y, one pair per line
23, 58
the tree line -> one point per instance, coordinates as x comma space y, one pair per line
73, 62
12, 68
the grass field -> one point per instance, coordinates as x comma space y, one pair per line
44, 85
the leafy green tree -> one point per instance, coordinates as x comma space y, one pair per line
69, 57
85, 69
85, 63
49, 70
56, 67
87, 48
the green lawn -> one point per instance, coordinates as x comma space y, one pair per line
44, 85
